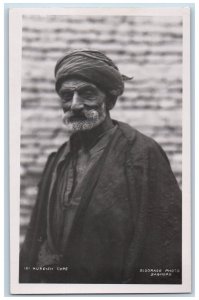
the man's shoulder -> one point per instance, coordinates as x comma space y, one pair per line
136, 138
57, 152
141, 146
62, 148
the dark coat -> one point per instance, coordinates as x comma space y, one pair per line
129, 218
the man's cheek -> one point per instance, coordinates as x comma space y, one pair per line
93, 104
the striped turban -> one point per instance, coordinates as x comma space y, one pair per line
91, 66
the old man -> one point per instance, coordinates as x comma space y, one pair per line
109, 207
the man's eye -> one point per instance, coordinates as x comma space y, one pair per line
67, 97
87, 93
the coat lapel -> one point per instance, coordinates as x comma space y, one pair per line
63, 154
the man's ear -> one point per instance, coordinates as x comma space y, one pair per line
110, 101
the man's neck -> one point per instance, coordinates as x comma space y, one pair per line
88, 137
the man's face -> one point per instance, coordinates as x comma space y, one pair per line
83, 104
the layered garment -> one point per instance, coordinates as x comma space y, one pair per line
126, 227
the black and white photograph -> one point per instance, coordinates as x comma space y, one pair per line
99, 139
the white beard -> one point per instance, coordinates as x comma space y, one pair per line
93, 118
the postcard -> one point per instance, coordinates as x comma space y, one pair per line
99, 110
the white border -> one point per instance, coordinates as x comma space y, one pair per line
15, 26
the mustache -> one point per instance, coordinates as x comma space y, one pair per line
82, 115
71, 115
86, 108
82, 112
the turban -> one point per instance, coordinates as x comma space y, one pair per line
91, 66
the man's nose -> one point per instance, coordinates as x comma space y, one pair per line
76, 104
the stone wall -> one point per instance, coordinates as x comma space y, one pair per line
147, 48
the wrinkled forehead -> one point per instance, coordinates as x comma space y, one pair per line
76, 84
